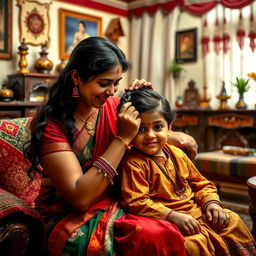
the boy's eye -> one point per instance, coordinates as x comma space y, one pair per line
142, 129
158, 127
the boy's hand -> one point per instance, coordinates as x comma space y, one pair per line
186, 224
216, 216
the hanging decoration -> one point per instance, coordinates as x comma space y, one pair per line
240, 33
252, 33
205, 38
217, 37
226, 36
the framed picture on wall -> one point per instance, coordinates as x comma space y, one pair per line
5, 29
75, 27
186, 45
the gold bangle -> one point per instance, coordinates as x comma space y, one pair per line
122, 140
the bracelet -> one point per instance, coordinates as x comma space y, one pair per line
106, 168
122, 140
210, 202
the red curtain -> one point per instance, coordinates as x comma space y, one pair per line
194, 8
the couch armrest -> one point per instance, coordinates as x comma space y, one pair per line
22, 229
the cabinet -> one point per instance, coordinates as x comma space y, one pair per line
29, 91
214, 128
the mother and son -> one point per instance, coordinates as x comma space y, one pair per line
159, 204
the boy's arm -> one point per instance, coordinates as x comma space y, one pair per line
135, 194
204, 190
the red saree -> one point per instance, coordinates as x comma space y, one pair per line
116, 233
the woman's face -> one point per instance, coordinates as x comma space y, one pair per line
96, 91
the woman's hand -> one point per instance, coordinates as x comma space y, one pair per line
184, 141
186, 224
217, 216
136, 84
128, 122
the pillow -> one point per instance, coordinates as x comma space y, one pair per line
13, 166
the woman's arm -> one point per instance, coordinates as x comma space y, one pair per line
184, 141
64, 170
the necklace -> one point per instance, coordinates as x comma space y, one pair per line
89, 126
178, 191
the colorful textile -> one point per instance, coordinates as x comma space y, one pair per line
13, 166
220, 163
10, 204
146, 191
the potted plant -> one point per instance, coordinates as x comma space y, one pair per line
175, 69
242, 87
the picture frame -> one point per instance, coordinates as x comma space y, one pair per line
6, 29
34, 22
74, 27
186, 45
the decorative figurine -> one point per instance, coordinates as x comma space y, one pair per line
223, 97
114, 30
43, 64
204, 100
191, 96
23, 51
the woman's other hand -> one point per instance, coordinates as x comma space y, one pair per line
128, 122
185, 142
136, 84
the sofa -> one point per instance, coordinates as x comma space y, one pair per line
21, 226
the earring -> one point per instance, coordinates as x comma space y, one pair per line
75, 92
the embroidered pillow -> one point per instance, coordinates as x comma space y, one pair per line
13, 167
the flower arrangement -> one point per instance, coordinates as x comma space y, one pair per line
252, 75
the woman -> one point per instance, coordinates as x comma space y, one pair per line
81, 143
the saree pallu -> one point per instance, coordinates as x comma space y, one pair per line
104, 228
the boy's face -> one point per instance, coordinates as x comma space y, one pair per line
152, 134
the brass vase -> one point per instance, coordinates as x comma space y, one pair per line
43, 64
241, 103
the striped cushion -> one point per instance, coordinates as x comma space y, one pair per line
220, 163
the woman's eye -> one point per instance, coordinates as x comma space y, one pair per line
103, 85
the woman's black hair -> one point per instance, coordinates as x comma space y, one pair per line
91, 57
148, 100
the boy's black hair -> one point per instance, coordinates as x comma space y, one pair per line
148, 100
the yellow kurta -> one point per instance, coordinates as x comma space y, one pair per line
146, 191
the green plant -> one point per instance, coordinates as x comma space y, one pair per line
174, 67
242, 85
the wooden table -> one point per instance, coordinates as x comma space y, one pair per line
251, 182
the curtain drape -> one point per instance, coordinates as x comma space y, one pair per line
236, 61
151, 49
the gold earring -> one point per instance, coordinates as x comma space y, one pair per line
75, 92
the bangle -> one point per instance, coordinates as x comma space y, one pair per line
106, 168
122, 140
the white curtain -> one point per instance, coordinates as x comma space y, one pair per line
236, 62
151, 49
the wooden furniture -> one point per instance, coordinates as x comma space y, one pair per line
29, 91
251, 182
214, 128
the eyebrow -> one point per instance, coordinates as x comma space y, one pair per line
110, 80
156, 122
